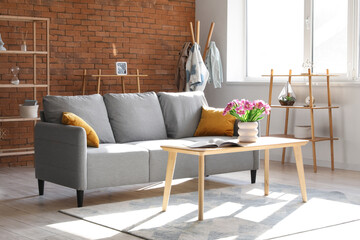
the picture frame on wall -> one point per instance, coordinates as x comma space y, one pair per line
121, 68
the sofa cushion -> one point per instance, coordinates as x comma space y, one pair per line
92, 138
135, 116
181, 112
213, 123
186, 164
117, 164
90, 108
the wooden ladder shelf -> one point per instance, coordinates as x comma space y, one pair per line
311, 107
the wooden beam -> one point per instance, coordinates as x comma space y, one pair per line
84, 82
208, 39
269, 102
192, 32
98, 83
138, 80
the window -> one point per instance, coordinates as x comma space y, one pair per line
275, 36
330, 35
298, 34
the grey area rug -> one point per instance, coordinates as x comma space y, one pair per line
238, 212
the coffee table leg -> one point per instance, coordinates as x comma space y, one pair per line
201, 187
266, 172
168, 179
300, 170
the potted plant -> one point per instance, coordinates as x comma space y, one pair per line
248, 113
287, 101
287, 95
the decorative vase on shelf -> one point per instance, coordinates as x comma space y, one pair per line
307, 101
23, 44
15, 71
248, 132
2, 44
23, 47
287, 96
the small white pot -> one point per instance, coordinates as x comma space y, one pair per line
248, 131
302, 132
28, 111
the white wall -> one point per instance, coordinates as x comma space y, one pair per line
347, 96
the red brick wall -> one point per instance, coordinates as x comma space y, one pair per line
92, 35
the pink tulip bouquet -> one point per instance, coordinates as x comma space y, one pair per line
247, 111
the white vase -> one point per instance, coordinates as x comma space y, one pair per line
2, 44
248, 131
23, 47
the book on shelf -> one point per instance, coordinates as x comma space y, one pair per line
217, 143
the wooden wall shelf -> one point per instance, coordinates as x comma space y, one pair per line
99, 76
23, 52
21, 18
316, 139
302, 75
312, 107
303, 107
17, 119
23, 86
16, 151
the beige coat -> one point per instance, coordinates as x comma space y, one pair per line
180, 75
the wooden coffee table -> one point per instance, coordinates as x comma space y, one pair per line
263, 143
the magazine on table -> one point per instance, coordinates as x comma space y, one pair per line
217, 143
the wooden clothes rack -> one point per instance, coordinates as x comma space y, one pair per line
99, 76
311, 107
198, 36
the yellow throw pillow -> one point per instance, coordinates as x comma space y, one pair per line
74, 120
213, 123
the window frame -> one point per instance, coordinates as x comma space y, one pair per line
353, 64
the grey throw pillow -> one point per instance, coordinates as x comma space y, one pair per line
91, 108
135, 116
182, 112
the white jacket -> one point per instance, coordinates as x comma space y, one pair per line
214, 65
196, 72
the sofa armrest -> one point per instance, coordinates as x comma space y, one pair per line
61, 154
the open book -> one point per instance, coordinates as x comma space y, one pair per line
216, 142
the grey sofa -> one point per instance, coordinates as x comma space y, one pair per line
131, 128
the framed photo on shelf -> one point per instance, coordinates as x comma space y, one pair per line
121, 68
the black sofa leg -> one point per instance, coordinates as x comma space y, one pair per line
41, 184
80, 197
253, 176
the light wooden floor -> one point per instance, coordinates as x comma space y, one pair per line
25, 215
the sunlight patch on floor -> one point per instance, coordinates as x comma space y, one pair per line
84, 229
162, 184
172, 213
126, 219
143, 219
256, 192
229, 238
314, 215
223, 210
260, 213
274, 195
